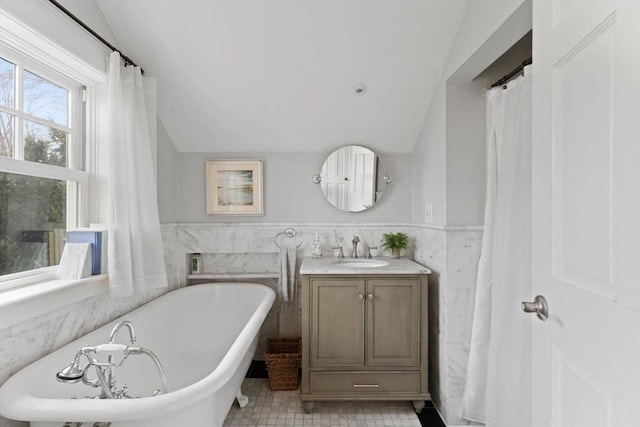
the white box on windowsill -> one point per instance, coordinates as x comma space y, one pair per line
96, 234
75, 262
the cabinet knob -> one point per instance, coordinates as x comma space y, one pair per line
360, 296
370, 296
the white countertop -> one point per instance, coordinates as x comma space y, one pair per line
333, 265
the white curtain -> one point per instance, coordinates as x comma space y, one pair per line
497, 389
134, 242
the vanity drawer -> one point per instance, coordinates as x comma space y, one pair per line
364, 382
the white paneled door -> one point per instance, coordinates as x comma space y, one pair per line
586, 213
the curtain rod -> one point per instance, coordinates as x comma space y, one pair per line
125, 58
513, 73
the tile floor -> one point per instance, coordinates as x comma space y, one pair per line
283, 408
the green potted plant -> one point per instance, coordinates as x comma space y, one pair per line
394, 243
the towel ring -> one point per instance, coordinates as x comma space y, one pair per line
290, 233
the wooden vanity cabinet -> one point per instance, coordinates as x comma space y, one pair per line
364, 337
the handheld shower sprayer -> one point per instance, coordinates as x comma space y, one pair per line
115, 354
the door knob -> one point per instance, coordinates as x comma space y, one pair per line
539, 306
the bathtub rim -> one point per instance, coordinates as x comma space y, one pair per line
17, 403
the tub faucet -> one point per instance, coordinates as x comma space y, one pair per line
355, 241
110, 374
129, 325
104, 371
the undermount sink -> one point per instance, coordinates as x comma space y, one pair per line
361, 263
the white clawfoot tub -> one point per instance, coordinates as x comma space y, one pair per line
205, 336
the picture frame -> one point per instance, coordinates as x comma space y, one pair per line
234, 187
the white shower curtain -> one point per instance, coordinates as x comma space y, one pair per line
134, 242
497, 388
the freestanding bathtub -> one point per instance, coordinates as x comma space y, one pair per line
205, 336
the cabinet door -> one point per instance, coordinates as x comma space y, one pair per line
337, 322
393, 322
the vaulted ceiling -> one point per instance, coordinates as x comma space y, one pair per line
279, 76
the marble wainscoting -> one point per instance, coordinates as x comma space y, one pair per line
463, 254
28, 341
183, 239
431, 250
452, 254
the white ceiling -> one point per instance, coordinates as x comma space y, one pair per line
278, 76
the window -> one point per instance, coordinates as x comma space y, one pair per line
41, 164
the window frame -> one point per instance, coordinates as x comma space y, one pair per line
75, 116
30, 50
76, 178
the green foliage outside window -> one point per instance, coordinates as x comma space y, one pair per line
33, 209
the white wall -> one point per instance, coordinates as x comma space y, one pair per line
466, 136
167, 171
429, 165
466, 151
50, 22
91, 14
289, 193
485, 33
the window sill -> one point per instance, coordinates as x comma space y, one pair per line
27, 302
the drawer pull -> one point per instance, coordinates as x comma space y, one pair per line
365, 386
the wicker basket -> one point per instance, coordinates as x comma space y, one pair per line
282, 358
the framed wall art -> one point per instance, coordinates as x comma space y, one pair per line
234, 187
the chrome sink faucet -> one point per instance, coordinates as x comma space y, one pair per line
355, 242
